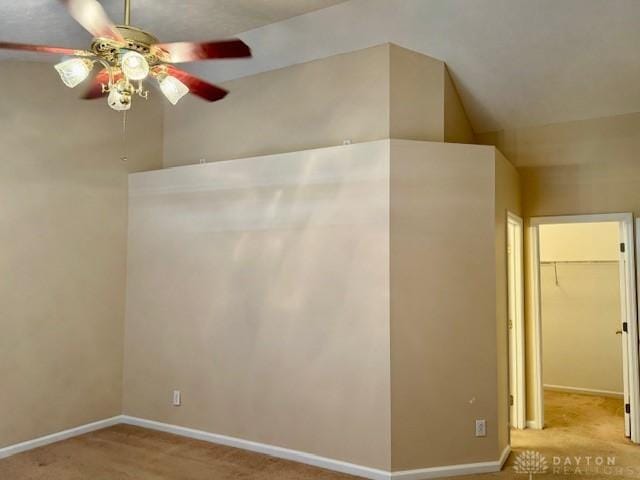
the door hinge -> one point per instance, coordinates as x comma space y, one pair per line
511, 401
627, 408
625, 327
622, 248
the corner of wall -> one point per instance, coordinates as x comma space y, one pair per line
442, 195
416, 96
457, 127
507, 199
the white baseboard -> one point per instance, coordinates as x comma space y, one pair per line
279, 452
584, 391
533, 424
454, 470
323, 462
57, 437
504, 456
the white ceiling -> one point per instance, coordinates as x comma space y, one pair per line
46, 21
515, 62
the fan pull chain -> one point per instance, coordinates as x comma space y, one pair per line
124, 137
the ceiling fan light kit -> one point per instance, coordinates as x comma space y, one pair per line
172, 88
129, 56
134, 66
74, 71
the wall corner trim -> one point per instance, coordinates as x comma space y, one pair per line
58, 437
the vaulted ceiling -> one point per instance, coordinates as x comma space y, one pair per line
45, 21
515, 62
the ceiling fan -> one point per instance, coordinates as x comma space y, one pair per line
129, 55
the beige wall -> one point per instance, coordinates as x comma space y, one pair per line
376, 93
580, 242
63, 207
457, 127
582, 311
260, 289
507, 199
416, 96
583, 308
587, 166
315, 104
443, 310
361, 324
262, 358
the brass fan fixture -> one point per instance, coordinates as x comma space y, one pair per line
129, 55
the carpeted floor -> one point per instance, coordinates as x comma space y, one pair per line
125, 452
577, 426
579, 430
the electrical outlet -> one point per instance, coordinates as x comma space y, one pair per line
177, 398
481, 428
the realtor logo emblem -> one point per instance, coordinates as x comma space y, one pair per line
531, 463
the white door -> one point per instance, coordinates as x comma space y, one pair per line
630, 331
623, 332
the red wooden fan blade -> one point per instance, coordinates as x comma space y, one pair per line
197, 87
95, 89
180, 52
91, 15
43, 49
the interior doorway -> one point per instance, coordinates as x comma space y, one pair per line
515, 289
593, 269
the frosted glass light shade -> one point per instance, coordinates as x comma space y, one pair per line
135, 66
119, 101
173, 89
74, 71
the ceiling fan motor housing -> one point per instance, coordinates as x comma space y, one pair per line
135, 39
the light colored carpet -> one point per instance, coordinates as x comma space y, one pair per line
577, 426
124, 452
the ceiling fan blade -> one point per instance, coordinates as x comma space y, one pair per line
95, 89
180, 52
91, 15
197, 87
44, 49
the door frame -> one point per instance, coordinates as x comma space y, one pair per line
517, 356
626, 220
